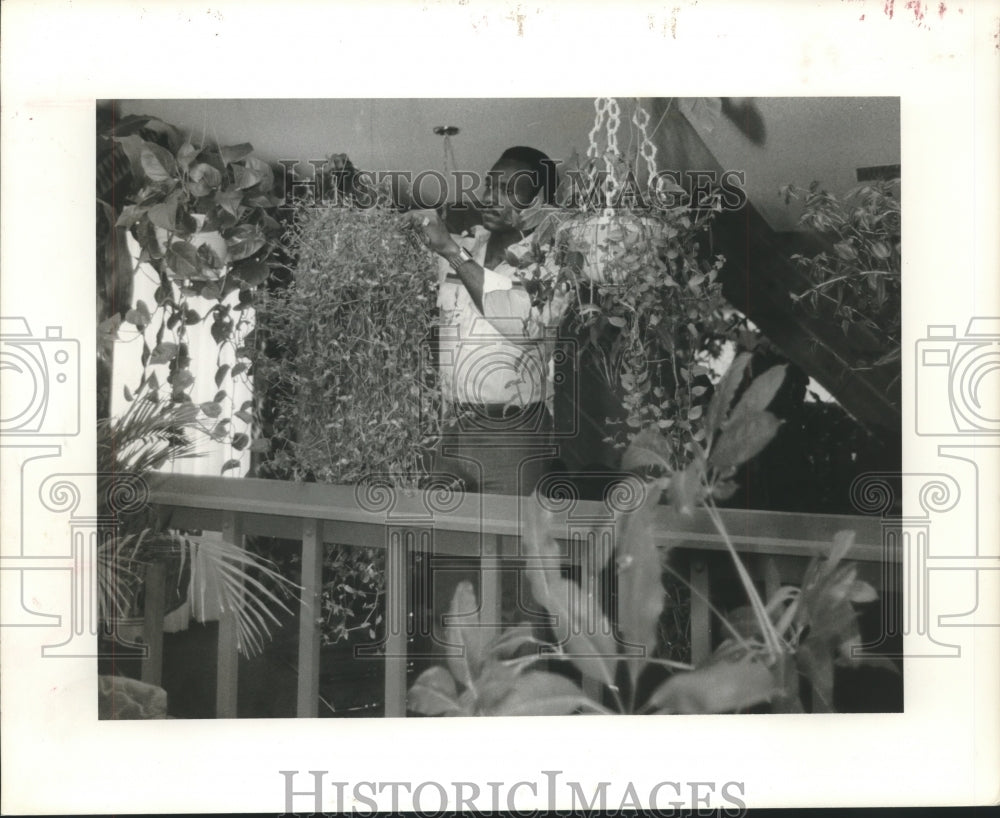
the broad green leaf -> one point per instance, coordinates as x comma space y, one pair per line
648, 448
466, 635
538, 693
722, 686
220, 374
133, 145
181, 379
233, 153
157, 163
183, 258
640, 594
244, 241
164, 214
843, 541
862, 592
130, 215
252, 273
816, 662
434, 694
245, 177
186, 155
745, 436
230, 464
164, 353
686, 489
761, 390
211, 409
514, 639
724, 489
587, 644
240, 441
230, 201
203, 179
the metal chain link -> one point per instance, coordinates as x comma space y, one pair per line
607, 113
647, 150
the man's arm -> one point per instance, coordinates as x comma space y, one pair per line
436, 236
492, 295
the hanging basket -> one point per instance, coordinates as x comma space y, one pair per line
609, 244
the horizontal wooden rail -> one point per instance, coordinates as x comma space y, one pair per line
482, 526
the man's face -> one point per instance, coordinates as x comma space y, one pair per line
509, 188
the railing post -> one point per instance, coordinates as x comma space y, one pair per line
396, 558
490, 585
152, 622
701, 614
310, 614
226, 685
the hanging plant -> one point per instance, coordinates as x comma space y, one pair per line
646, 302
202, 219
346, 378
856, 282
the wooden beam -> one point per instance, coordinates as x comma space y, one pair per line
310, 615
227, 665
152, 622
758, 277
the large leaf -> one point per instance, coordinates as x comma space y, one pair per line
686, 488
746, 435
648, 449
157, 163
186, 155
229, 200
640, 588
133, 145
244, 241
725, 685
470, 639
538, 693
233, 153
203, 179
164, 214
761, 390
252, 272
434, 694
164, 353
183, 260
586, 640
726, 391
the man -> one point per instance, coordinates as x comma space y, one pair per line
495, 344
495, 347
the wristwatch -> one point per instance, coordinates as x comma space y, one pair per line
462, 257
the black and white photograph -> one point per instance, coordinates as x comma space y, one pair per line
558, 406
469, 379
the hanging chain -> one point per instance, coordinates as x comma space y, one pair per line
647, 150
607, 117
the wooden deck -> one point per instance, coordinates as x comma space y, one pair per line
480, 526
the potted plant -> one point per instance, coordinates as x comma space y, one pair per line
346, 381
778, 653
149, 435
646, 309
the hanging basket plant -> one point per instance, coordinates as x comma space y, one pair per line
646, 303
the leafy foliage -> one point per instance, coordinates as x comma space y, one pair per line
343, 352
856, 282
202, 217
646, 302
799, 634
343, 362
150, 434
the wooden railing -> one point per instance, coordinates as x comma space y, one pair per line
475, 525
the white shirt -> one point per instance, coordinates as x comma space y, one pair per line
502, 354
